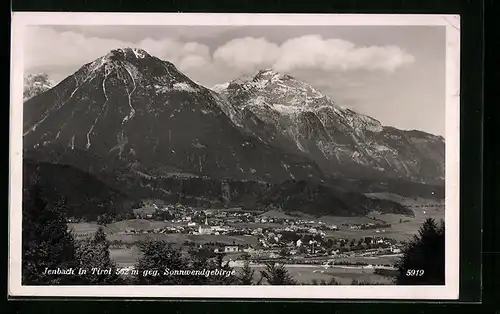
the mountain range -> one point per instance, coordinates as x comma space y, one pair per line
294, 116
143, 128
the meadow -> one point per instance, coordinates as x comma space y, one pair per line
344, 276
402, 228
119, 226
181, 238
124, 257
303, 274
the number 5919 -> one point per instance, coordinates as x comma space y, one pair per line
414, 272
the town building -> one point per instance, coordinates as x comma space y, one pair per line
204, 229
231, 249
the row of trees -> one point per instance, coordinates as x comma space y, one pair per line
47, 244
105, 218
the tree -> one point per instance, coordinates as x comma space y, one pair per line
218, 263
124, 216
329, 243
162, 215
284, 252
246, 274
277, 274
159, 256
423, 259
368, 240
303, 249
353, 242
93, 254
288, 236
46, 241
104, 219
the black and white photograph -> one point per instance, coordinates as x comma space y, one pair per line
220, 155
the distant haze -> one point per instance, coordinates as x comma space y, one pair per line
395, 74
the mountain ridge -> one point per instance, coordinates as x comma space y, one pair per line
305, 120
146, 112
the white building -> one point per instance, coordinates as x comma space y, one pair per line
231, 249
205, 229
396, 250
299, 242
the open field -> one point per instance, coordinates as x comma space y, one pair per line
330, 220
407, 201
236, 210
136, 224
115, 227
180, 238
334, 220
306, 274
371, 260
253, 225
283, 215
401, 231
124, 257
84, 227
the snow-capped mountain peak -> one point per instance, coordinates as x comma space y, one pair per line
220, 87
127, 53
273, 95
299, 117
268, 74
134, 67
35, 84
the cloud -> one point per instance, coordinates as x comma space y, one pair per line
247, 53
310, 52
45, 48
60, 52
183, 55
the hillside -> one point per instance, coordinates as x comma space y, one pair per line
85, 196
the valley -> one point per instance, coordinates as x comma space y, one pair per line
266, 167
313, 248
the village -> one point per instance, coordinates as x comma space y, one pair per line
291, 240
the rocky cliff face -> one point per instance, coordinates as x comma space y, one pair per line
294, 116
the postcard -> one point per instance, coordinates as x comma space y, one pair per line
234, 156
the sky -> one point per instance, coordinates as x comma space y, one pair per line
395, 74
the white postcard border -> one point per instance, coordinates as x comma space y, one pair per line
449, 291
